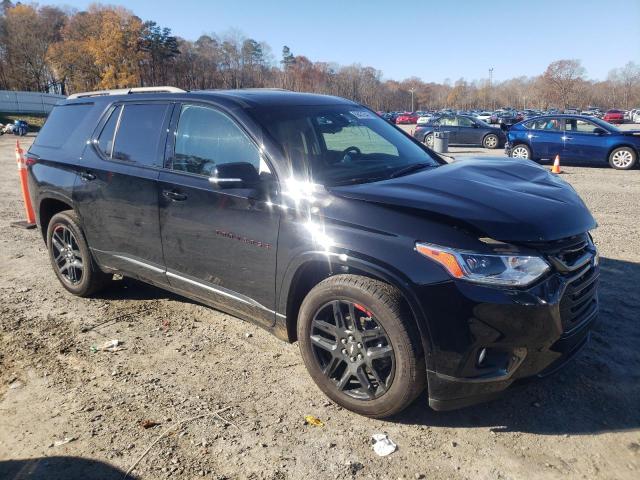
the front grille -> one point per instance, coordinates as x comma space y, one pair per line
580, 299
573, 258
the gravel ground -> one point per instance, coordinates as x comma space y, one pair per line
242, 394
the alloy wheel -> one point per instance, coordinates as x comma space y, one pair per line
491, 141
622, 159
520, 152
429, 140
66, 254
352, 349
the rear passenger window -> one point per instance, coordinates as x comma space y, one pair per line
139, 132
207, 139
61, 124
105, 141
545, 124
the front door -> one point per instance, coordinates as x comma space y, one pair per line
582, 143
117, 192
219, 234
468, 132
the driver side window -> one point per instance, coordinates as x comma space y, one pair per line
206, 139
366, 140
465, 122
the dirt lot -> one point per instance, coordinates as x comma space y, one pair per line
184, 361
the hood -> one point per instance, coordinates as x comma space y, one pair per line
635, 133
506, 199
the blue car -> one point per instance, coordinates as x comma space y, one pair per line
576, 138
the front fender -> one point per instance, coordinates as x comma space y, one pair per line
341, 263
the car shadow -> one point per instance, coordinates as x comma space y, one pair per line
597, 392
131, 289
59, 468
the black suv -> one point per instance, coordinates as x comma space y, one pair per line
318, 220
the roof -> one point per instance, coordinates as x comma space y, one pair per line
249, 97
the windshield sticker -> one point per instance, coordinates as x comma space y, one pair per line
362, 114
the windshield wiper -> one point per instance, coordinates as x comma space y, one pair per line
414, 167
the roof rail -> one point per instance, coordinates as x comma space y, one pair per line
126, 91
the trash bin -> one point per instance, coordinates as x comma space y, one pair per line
441, 142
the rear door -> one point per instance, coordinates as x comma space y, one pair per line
581, 143
546, 139
219, 233
117, 195
449, 124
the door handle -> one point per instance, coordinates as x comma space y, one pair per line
88, 176
173, 195
567, 138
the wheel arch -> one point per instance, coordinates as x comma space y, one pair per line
486, 134
526, 144
313, 267
635, 148
48, 206
426, 134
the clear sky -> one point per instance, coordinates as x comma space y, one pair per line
433, 40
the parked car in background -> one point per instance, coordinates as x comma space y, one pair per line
20, 127
507, 118
576, 138
484, 116
425, 118
614, 116
407, 118
389, 117
636, 116
463, 130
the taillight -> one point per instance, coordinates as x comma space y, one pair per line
30, 160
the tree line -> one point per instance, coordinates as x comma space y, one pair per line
49, 49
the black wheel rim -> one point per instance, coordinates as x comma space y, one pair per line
352, 349
66, 254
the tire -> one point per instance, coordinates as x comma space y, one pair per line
623, 158
491, 141
428, 140
75, 268
401, 370
520, 151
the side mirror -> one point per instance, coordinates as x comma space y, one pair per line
599, 131
475, 125
235, 175
226, 182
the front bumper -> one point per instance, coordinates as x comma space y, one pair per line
525, 333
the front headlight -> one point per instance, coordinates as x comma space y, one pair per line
492, 269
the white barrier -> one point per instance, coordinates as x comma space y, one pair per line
28, 102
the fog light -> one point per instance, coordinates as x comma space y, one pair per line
481, 356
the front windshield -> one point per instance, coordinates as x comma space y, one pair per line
341, 144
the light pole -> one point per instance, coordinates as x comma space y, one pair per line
491, 87
412, 90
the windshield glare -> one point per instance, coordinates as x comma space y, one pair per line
340, 144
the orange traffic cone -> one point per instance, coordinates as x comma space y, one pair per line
22, 170
556, 165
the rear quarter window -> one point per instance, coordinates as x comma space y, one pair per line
61, 125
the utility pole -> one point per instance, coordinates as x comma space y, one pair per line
412, 90
491, 88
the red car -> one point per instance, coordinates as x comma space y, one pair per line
614, 116
406, 117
